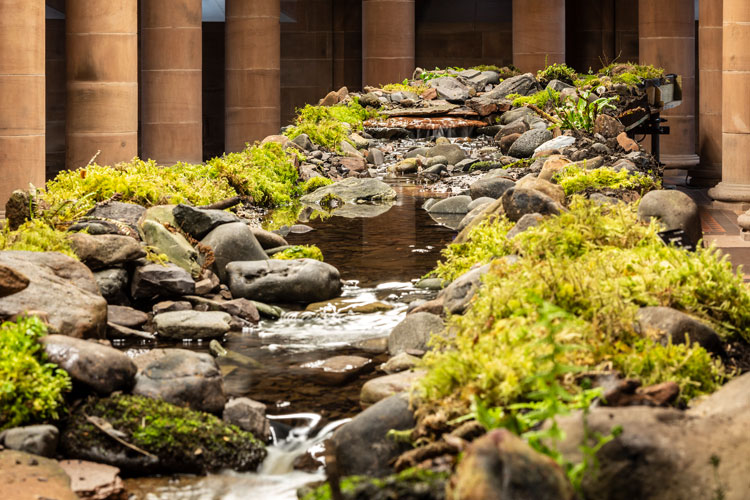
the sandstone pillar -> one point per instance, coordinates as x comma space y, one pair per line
253, 71
709, 102
171, 87
735, 170
102, 71
538, 33
55, 97
388, 34
22, 113
667, 40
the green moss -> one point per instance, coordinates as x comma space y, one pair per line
638, 70
598, 265
31, 390
556, 71
300, 252
36, 236
405, 87
183, 439
314, 183
627, 78
576, 179
540, 99
328, 126
410, 484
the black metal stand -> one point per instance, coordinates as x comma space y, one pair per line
653, 128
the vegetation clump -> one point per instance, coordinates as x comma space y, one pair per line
557, 71
581, 114
540, 99
314, 183
328, 126
410, 484
406, 86
184, 440
31, 389
577, 179
300, 252
36, 235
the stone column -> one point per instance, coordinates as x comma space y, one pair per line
102, 70
709, 103
667, 40
253, 71
388, 34
538, 33
22, 116
171, 87
735, 169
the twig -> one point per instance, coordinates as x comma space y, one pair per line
227, 203
107, 429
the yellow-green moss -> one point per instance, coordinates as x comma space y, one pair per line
36, 235
576, 179
300, 252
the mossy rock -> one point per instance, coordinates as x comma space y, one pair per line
172, 439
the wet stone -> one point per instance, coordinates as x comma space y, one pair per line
192, 324
337, 370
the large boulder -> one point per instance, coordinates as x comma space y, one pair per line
198, 222
414, 332
173, 245
181, 377
192, 324
105, 250
674, 210
35, 439
353, 190
299, 280
102, 368
457, 296
156, 280
524, 146
232, 242
519, 202
59, 286
500, 465
362, 446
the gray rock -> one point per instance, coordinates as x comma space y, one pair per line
675, 325
493, 77
674, 210
106, 250
525, 145
299, 280
192, 324
525, 84
35, 439
414, 332
230, 243
519, 202
368, 431
465, 165
458, 295
113, 285
490, 186
241, 308
181, 377
267, 239
380, 388
375, 157
436, 160
453, 205
475, 212
173, 245
482, 201
128, 213
171, 305
450, 89
400, 362
59, 286
126, 316
559, 142
516, 127
100, 367
156, 280
303, 141
248, 415
430, 284
451, 152
515, 114
336, 370
624, 163
353, 190
558, 85
198, 222
601, 199
413, 153
525, 222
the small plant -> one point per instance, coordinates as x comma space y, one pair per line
557, 71
314, 183
540, 99
31, 390
577, 179
300, 252
581, 115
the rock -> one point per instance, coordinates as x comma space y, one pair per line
450, 89
304, 142
241, 308
181, 377
559, 142
35, 439
159, 213
400, 362
674, 210
11, 281
525, 145
627, 144
198, 222
337, 370
601, 199
353, 190
375, 157
118, 332
380, 388
59, 286
248, 415
490, 186
554, 191
558, 85
475, 212
368, 431
608, 126
106, 250
624, 163
458, 295
330, 99
552, 166
18, 208
230, 243
480, 202
516, 127
414, 332
674, 325
100, 367
93, 480
268, 311
525, 84
31, 477
355, 164
405, 166
519, 202
516, 114
126, 316
500, 465
173, 245
267, 239
113, 285
299, 280
127, 213
171, 305
192, 324
348, 150
524, 223
507, 142
453, 205
156, 280
451, 152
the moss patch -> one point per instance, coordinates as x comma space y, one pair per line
300, 252
576, 179
328, 126
36, 236
411, 484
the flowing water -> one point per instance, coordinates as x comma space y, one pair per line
378, 257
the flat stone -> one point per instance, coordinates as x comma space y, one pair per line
94, 481
559, 142
299, 280
192, 324
156, 280
119, 332
450, 89
30, 477
106, 250
242, 308
126, 316
337, 370
353, 190
380, 388
39, 440
453, 205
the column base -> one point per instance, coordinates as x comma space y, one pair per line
680, 161
727, 191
